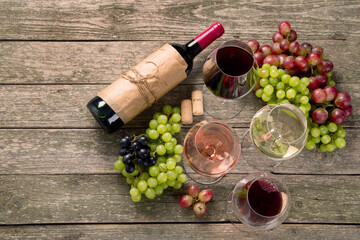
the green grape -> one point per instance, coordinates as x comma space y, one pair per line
135, 172
170, 183
331, 83
268, 90
265, 97
125, 173
158, 190
280, 86
152, 182
136, 198
150, 193
176, 128
176, 117
297, 98
142, 185
310, 145
340, 142
166, 137
136, 181
173, 141
322, 148
284, 101
154, 171
161, 129
301, 87
294, 81
162, 167
176, 110
325, 139
177, 185
171, 175
266, 66
264, 82
307, 106
264, 73
162, 177
304, 100
273, 67
130, 180
167, 109
280, 94
290, 93
316, 139
161, 159
177, 157
164, 185
305, 92
153, 134
303, 109
178, 149
259, 92
178, 170
152, 147
170, 163
144, 176
285, 78
147, 131
160, 149
305, 81
272, 101
162, 119
169, 145
340, 132
119, 165
182, 178
168, 127
134, 192
330, 147
315, 132
274, 73
323, 130
156, 115
153, 124
332, 127
273, 81
281, 73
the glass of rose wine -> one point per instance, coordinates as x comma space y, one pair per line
211, 150
260, 201
229, 75
277, 132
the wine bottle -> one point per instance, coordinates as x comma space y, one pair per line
110, 120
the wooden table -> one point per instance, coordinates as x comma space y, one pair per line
56, 165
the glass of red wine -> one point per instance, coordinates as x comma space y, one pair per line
260, 201
211, 149
229, 75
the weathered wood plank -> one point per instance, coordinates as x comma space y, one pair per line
41, 151
129, 20
98, 62
64, 106
185, 231
30, 199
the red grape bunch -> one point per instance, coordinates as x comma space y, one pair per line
290, 72
196, 199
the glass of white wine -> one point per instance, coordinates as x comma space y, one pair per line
277, 132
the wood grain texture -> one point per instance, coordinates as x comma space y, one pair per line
188, 231
78, 151
143, 20
103, 62
32, 199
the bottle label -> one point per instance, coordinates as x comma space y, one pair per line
145, 83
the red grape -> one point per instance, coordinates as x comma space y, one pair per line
319, 95
305, 69
186, 201
205, 195
294, 47
325, 66
259, 58
277, 37
348, 111
275, 49
284, 44
313, 84
342, 100
254, 45
308, 46
193, 190
314, 58
322, 79
289, 62
319, 115
284, 28
266, 50
302, 51
331, 93
292, 72
337, 116
281, 58
301, 62
293, 36
199, 208
272, 60
318, 50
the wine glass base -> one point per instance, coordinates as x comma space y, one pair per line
215, 106
198, 178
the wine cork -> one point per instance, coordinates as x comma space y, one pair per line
197, 103
186, 111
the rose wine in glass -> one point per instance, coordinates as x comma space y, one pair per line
211, 150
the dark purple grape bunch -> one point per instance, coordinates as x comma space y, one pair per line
135, 151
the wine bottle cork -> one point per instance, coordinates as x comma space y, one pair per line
197, 103
186, 111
